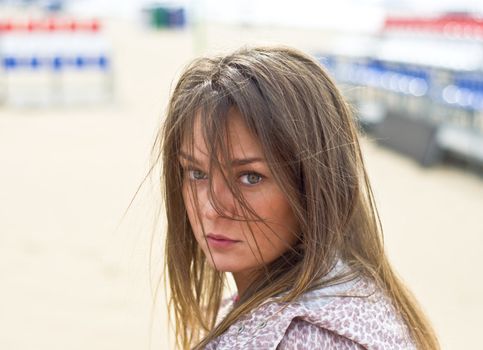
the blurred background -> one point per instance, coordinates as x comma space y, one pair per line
83, 89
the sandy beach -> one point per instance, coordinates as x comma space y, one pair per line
75, 273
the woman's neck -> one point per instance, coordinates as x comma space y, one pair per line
243, 279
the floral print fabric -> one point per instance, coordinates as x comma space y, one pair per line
351, 315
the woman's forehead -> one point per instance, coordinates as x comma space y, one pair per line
239, 140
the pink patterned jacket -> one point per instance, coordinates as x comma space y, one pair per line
321, 319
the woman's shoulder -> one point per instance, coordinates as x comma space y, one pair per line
357, 311
352, 315
302, 334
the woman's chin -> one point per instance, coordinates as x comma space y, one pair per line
222, 265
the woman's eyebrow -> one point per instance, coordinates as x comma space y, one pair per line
245, 161
189, 158
234, 162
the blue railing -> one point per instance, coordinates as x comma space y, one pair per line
101, 62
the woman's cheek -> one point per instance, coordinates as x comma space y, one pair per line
190, 207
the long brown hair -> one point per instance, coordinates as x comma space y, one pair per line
310, 141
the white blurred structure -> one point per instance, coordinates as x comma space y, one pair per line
51, 61
419, 84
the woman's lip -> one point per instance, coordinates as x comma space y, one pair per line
220, 237
220, 242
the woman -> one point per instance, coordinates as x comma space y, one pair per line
264, 179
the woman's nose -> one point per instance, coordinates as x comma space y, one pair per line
220, 200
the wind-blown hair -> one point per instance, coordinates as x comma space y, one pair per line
310, 142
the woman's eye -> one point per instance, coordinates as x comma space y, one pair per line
251, 178
197, 175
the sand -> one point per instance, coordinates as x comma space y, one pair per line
74, 274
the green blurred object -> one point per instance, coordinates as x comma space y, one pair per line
159, 17
165, 16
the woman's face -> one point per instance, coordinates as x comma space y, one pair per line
236, 246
